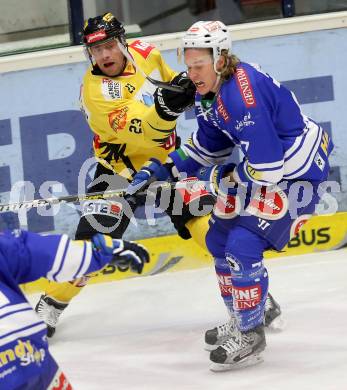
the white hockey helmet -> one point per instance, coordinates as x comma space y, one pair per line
208, 34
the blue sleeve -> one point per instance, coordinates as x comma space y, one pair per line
30, 256
255, 109
264, 155
204, 148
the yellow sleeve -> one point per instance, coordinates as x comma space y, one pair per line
167, 74
150, 58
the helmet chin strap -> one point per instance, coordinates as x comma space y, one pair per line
218, 73
216, 84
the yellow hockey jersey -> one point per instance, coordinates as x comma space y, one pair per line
121, 113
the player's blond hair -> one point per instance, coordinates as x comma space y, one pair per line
231, 62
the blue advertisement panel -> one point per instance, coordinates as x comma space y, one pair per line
44, 138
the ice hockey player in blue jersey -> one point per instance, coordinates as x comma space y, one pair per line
260, 199
25, 361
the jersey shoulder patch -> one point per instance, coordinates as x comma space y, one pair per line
141, 47
245, 87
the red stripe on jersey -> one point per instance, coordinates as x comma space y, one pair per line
245, 87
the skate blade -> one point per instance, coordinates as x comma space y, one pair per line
247, 362
277, 325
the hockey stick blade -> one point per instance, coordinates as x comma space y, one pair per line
165, 85
158, 83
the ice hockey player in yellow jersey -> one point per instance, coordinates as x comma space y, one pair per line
131, 124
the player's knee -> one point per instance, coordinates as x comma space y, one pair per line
244, 253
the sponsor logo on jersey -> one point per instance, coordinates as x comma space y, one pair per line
101, 207
118, 118
234, 264
207, 114
190, 189
225, 284
227, 207
298, 224
268, 203
246, 121
96, 36
319, 160
142, 48
246, 297
263, 224
110, 89
222, 110
24, 351
245, 87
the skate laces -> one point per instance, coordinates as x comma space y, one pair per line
227, 329
48, 313
237, 342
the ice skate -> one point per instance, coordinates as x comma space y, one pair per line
49, 311
242, 349
218, 335
273, 316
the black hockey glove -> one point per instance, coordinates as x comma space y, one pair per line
123, 254
169, 104
130, 254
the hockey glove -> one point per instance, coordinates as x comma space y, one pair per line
124, 254
129, 254
216, 179
169, 104
152, 170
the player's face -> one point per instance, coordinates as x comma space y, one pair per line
199, 64
108, 57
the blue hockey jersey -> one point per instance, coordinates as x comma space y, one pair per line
256, 113
25, 362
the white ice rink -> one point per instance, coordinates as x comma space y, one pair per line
147, 333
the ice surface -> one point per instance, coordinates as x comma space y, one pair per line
147, 333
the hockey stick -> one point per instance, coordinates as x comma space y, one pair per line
35, 203
158, 83
29, 204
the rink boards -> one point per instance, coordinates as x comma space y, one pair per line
171, 253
